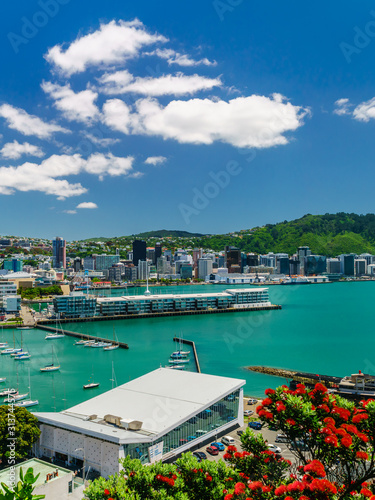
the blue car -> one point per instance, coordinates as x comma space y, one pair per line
255, 425
219, 446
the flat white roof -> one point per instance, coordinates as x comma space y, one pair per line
161, 400
226, 293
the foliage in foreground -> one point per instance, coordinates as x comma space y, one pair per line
331, 438
23, 489
17, 425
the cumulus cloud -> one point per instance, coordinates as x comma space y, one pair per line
98, 140
87, 204
75, 106
14, 150
342, 107
173, 57
46, 176
155, 160
365, 111
18, 119
254, 121
111, 43
122, 82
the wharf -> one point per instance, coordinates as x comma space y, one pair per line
301, 377
192, 344
81, 336
158, 314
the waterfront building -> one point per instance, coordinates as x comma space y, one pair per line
347, 264
303, 252
245, 298
143, 269
371, 269
114, 273
185, 271
360, 267
131, 273
155, 417
162, 265
370, 259
75, 305
252, 259
204, 268
315, 264
104, 261
232, 258
10, 304
8, 287
268, 260
197, 254
139, 251
282, 265
333, 266
89, 263
158, 252
59, 253
15, 265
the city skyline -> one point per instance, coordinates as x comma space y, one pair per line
209, 119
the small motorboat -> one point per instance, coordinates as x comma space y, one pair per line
27, 403
92, 385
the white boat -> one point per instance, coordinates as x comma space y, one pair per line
27, 403
2, 379
25, 328
11, 350
81, 342
23, 356
8, 392
180, 354
92, 385
88, 343
111, 347
3, 345
176, 367
52, 336
16, 397
51, 367
178, 361
20, 352
101, 344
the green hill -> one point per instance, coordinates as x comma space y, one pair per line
163, 233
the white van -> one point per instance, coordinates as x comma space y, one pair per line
228, 441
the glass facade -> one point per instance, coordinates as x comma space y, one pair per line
214, 417
79, 306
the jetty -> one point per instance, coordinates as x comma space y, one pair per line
301, 377
82, 336
192, 345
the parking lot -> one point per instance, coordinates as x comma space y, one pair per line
269, 436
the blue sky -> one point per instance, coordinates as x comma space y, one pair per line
122, 117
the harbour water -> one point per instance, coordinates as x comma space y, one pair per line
324, 329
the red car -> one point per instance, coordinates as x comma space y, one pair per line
212, 450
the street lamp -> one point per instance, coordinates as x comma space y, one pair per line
84, 463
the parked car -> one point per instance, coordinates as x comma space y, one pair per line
240, 432
299, 444
274, 448
248, 413
212, 450
228, 440
200, 454
255, 425
252, 401
218, 445
282, 438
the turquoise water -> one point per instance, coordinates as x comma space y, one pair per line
324, 329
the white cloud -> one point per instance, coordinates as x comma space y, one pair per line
174, 57
122, 82
254, 121
45, 177
18, 119
111, 43
365, 111
342, 107
71, 212
14, 150
155, 160
87, 204
74, 106
100, 141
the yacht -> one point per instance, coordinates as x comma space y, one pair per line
2, 379
91, 386
52, 336
11, 350
50, 368
101, 344
15, 397
178, 361
27, 403
9, 392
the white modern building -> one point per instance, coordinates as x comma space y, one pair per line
154, 417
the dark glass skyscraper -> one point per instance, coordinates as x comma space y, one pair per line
59, 253
139, 251
158, 250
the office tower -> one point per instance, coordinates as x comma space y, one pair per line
158, 250
232, 258
282, 264
347, 264
360, 267
333, 266
59, 253
139, 251
204, 268
315, 264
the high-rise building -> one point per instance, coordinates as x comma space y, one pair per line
347, 264
315, 264
294, 267
197, 254
333, 266
139, 251
360, 267
252, 259
283, 265
158, 251
77, 265
301, 254
14, 265
232, 258
104, 261
204, 268
59, 253
131, 273
143, 269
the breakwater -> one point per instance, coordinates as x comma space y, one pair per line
297, 376
159, 314
192, 345
82, 336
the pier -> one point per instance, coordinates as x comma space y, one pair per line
301, 377
158, 314
191, 344
82, 336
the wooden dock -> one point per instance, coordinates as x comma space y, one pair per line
82, 336
192, 344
